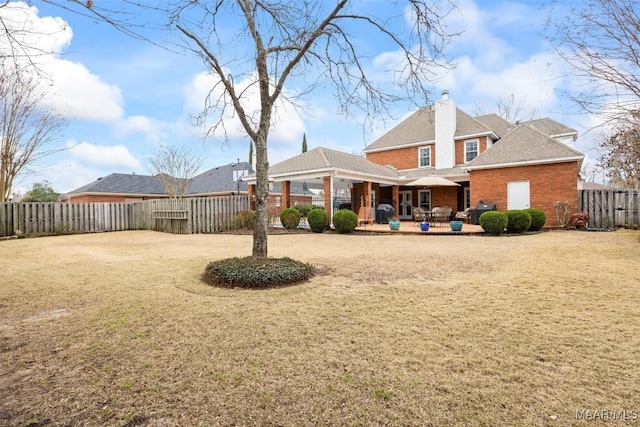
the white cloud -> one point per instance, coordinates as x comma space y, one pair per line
117, 156
155, 131
78, 93
71, 88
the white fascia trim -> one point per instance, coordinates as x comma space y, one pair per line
99, 193
394, 147
526, 163
476, 135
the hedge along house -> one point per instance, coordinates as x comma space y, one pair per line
514, 165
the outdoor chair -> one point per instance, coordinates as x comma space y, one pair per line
419, 214
463, 215
441, 214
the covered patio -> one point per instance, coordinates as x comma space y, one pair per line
342, 177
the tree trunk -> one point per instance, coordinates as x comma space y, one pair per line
262, 197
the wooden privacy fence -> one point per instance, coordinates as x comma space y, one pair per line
183, 216
56, 217
190, 215
611, 208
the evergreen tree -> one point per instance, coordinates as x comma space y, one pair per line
304, 142
251, 152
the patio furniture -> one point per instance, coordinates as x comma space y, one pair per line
419, 214
364, 215
441, 214
464, 216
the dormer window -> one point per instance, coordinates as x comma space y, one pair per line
470, 150
424, 157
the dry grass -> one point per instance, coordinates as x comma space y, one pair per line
117, 329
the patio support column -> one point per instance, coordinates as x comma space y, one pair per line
286, 194
395, 195
328, 200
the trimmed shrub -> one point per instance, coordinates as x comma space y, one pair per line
493, 222
518, 221
579, 220
318, 220
345, 221
245, 220
538, 219
290, 218
249, 273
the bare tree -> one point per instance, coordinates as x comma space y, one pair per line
174, 166
254, 45
621, 154
26, 128
510, 108
600, 39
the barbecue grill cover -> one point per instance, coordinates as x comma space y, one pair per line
384, 213
479, 210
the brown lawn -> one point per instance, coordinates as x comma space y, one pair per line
117, 329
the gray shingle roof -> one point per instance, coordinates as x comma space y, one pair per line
524, 144
220, 179
321, 158
550, 127
122, 183
216, 180
499, 125
420, 127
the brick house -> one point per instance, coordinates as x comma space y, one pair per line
513, 165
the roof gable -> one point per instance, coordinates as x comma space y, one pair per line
525, 144
322, 158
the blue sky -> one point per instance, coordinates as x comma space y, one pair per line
123, 97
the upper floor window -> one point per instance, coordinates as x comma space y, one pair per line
424, 157
470, 150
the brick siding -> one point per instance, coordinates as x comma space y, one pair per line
549, 183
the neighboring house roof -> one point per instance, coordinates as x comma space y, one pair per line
322, 159
524, 145
221, 179
550, 127
123, 183
589, 185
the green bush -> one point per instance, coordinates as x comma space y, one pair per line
538, 219
518, 221
249, 273
245, 220
290, 218
318, 220
303, 209
345, 221
493, 222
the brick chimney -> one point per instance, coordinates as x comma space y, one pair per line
445, 112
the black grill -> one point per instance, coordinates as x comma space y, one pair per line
481, 208
384, 213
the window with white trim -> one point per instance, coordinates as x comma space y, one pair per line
424, 157
470, 150
424, 199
